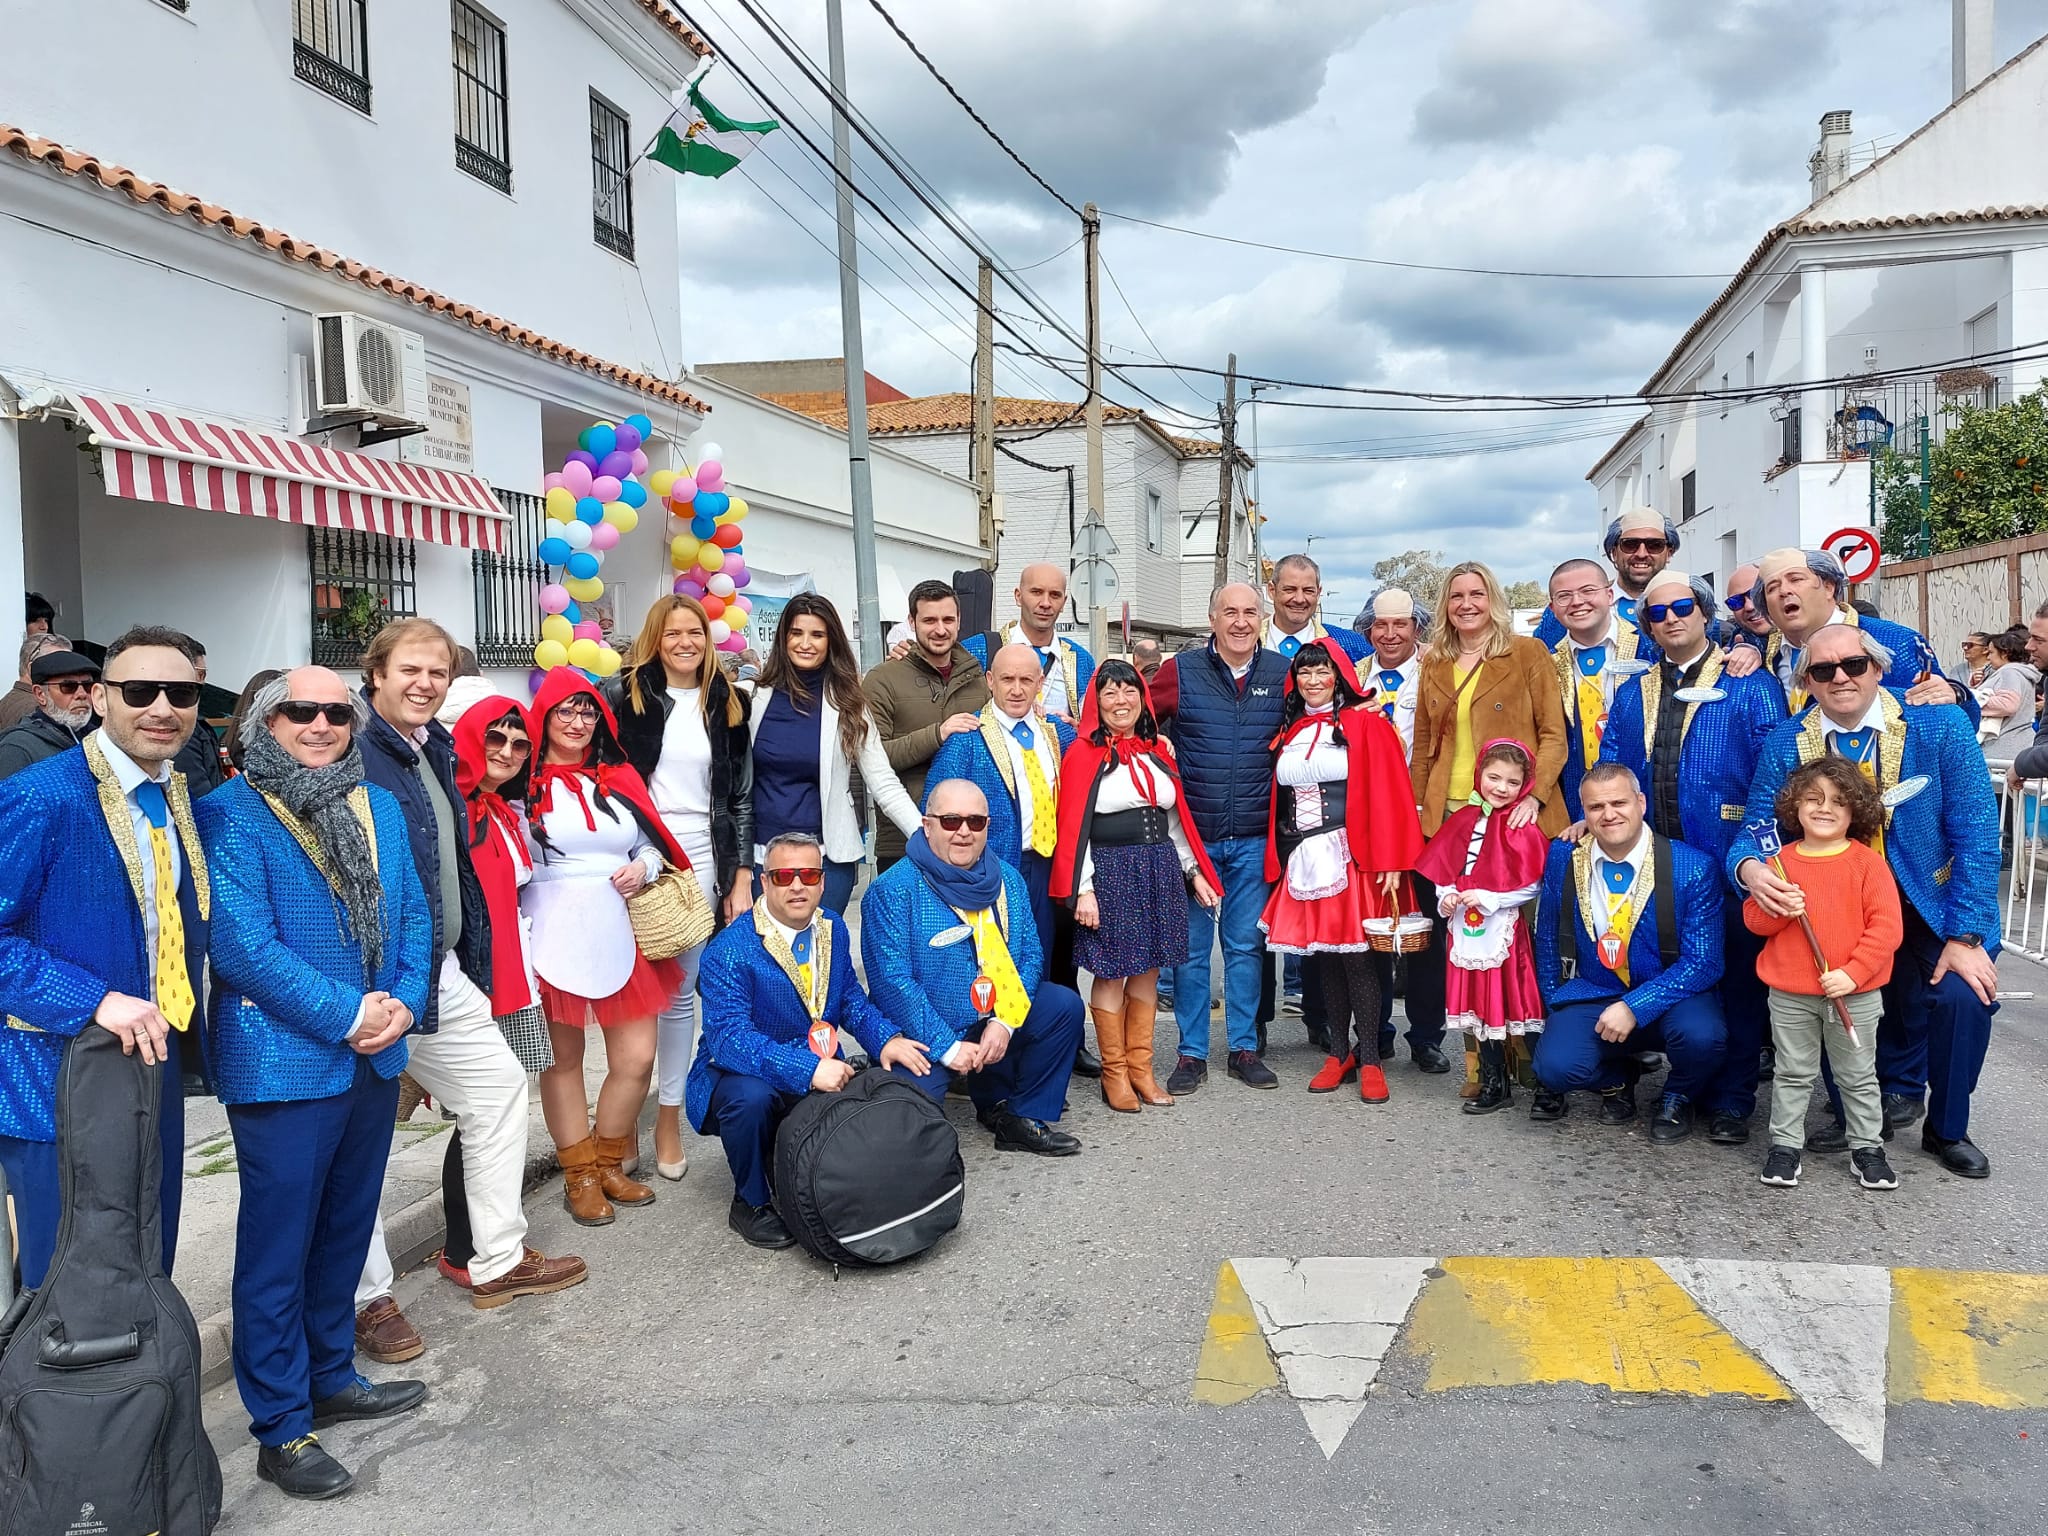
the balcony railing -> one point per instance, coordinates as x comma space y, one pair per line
1895, 413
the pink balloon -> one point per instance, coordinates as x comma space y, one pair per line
683, 492
589, 629
553, 482
605, 488
604, 535
711, 476
639, 461
733, 643
576, 478
744, 604
554, 598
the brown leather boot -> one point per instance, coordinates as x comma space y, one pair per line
1116, 1081
581, 1190
1140, 1017
611, 1154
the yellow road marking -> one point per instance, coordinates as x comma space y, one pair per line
1969, 1336
1235, 1362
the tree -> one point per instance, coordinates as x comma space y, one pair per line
1526, 594
1987, 480
1420, 573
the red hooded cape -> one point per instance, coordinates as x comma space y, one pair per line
1508, 860
494, 860
1081, 773
615, 780
1379, 800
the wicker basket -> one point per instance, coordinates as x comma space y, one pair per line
1403, 932
670, 915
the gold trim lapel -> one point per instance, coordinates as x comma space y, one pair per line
195, 857
120, 824
770, 934
1639, 892
997, 741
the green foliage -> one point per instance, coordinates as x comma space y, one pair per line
1990, 475
1897, 497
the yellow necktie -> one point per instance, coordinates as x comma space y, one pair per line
803, 973
1012, 1003
1045, 826
1621, 923
173, 984
1592, 718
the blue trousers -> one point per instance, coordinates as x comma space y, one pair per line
1032, 1076
1934, 1036
744, 1113
1241, 866
1037, 872
1745, 1009
1690, 1033
33, 1179
311, 1172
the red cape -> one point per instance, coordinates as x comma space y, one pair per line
1081, 771
1508, 860
616, 779
495, 870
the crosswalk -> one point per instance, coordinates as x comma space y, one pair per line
1846, 1340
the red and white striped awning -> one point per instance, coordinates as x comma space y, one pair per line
152, 454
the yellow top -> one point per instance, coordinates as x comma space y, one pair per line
1464, 751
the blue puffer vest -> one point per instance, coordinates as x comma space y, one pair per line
1220, 740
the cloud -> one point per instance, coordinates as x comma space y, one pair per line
1745, 51
1517, 67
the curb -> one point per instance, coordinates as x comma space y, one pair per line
414, 1234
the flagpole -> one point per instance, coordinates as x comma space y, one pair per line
867, 602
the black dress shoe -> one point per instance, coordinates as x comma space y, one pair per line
1766, 1063
1901, 1109
1549, 1106
1618, 1105
1319, 1038
1673, 1120
1832, 1137
1428, 1058
1726, 1130
1014, 1133
367, 1400
1960, 1157
758, 1225
302, 1469
1246, 1067
1086, 1062
1189, 1073
192, 1085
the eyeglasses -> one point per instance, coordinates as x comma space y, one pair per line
576, 709
807, 874
1737, 601
498, 741
305, 712
1643, 546
952, 821
1580, 594
139, 694
68, 685
1684, 608
1849, 666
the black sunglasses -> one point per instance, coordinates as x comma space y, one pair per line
1649, 546
140, 694
68, 684
808, 874
305, 712
953, 820
1737, 601
1684, 608
1852, 666
499, 741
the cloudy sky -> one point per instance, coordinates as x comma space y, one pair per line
1583, 136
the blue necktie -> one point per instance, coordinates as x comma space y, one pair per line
1592, 660
149, 795
1854, 745
800, 948
1022, 731
1619, 877
1289, 644
1626, 606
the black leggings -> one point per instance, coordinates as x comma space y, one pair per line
460, 1247
1351, 999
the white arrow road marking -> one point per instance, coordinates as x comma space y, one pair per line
1329, 1323
1824, 1328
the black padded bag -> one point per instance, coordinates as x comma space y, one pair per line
99, 1369
869, 1175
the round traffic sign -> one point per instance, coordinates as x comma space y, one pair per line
1857, 549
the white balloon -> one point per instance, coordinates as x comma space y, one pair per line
559, 530
720, 585
710, 451
720, 630
578, 535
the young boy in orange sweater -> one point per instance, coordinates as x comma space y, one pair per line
1852, 902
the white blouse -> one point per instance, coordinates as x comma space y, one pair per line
681, 785
1311, 757
1120, 792
582, 938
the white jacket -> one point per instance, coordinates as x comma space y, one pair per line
845, 836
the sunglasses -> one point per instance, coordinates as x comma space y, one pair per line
140, 694
1645, 546
305, 712
952, 821
1852, 666
1737, 601
498, 741
1684, 608
800, 875
69, 685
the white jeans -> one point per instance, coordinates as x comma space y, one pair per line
676, 1041
467, 1066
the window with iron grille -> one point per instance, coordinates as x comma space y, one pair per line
178, 5
361, 582
483, 126
611, 173
508, 587
331, 48
1688, 495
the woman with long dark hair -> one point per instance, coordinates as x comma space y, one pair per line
683, 727
811, 730
1127, 853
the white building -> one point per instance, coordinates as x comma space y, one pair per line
1932, 254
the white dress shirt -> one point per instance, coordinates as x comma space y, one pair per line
1609, 903
130, 775
1052, 692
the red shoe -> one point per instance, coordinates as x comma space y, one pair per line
1335, 1071
1372, 1085
450, 1273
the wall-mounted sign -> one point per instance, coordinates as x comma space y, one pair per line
449, 442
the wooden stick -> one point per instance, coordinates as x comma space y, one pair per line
1819, 959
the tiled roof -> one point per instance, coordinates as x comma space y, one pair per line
116, 178
660, 11
955, 413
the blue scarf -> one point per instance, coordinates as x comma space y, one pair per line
969, 890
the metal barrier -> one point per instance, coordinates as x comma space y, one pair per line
2023, 870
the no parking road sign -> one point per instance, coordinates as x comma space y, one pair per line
1857, 549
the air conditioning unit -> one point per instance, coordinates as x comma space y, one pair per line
366, 370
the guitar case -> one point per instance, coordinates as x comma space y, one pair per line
100, 1430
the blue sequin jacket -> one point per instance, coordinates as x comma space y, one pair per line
969, 755
926, 989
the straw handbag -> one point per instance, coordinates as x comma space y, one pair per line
669, 914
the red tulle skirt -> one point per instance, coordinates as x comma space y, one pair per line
1497, 1003
1329, 923
653, 984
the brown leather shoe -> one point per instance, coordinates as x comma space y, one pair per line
534, 1275
1116, 1079
1141, 1015
383, 1334
581, 1190
611, 1174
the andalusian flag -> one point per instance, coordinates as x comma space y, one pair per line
700, 140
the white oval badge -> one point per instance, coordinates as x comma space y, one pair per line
1699, 695
949, 936
1628, 668
1904, 790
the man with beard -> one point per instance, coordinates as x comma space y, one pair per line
1639, 544
63, 716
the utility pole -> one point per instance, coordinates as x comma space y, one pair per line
1098, 605
867, 602
985, 412
1229, 413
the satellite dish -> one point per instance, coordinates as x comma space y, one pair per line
1904, 790
1700, 695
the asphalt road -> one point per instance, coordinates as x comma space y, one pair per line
1036, 1371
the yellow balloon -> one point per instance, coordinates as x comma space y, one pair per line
622, 516
735, 512
550, 654
735, 618
555, 627
710, 558
608, 662
659, 483
682, 551
585, 589
561, 503
584, 654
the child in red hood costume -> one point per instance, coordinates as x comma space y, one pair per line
1340, 829
1484, 870
595, 838
1127, 850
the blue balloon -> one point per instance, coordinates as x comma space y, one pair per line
590, 510
633, 493
582, 565
554, 552
601, 440
702, 528
713, 503
589, 676
639, 423
574, 612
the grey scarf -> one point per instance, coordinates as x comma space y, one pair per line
319, 798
